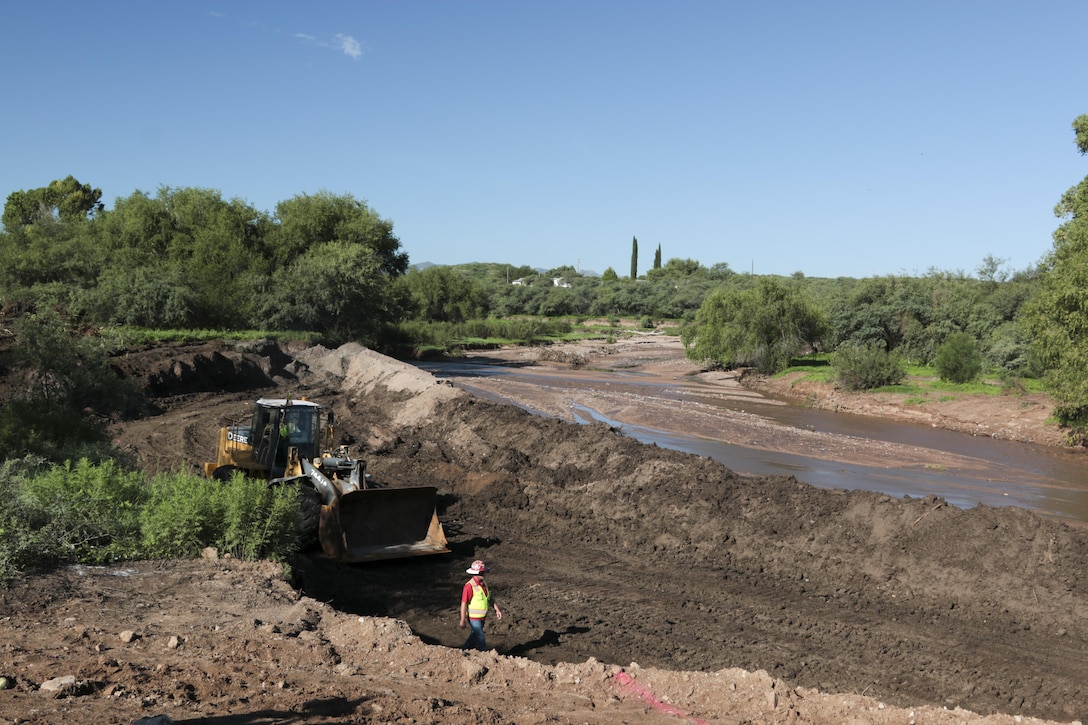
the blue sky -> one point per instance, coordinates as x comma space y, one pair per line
832, 138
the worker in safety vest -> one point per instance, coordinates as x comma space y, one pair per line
475, 601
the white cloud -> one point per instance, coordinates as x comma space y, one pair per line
345, 44
349, 45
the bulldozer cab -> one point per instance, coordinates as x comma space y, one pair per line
261, 445
280, 425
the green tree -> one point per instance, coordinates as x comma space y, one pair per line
867, 316
183, 258
338, 288
1056, 319
763, 327
634, 257
657, 257
958, 359
859, 367
64, 199
334, 264
154, 296
65, 370
47, 243
609, 275
305, 221
991, 271
720, 270
441, 294
675, 269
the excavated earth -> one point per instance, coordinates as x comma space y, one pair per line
639, 584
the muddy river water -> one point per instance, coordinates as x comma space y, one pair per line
1050, 481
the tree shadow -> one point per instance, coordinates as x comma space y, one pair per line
550, 638
470, 547
330, 707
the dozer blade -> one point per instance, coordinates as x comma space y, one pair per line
382, 523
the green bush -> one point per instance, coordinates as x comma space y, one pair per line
526, 330
864, 367
99, 513
28, 428
958, 359
23, 543
82, 512
181, 516
66, 371
243, 517
260, 521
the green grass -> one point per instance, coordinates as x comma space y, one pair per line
921, 381
127, 336
816, 368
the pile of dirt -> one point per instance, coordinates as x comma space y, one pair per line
741, 599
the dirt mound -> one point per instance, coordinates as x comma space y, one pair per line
212, 367
410, 394
606, 552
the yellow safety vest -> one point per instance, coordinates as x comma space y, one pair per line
481, 600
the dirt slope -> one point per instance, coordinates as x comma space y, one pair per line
739, 598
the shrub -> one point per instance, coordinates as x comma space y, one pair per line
527, 330
864, 367
180, 518
22, 545
260, 521
958, 359
244, 517
82, 512
99, 513
68, 371
30, 428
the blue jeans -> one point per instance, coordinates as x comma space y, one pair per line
476, 636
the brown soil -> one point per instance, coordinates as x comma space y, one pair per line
640, 585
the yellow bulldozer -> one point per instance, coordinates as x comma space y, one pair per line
290, 442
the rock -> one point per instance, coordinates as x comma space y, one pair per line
128, 636
59, 684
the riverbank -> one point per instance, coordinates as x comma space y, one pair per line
559, 380
1024, 417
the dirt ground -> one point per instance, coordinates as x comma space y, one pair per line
640, 585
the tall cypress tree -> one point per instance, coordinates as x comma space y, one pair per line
657, 257
634, 257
